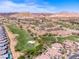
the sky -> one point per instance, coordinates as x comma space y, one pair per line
39, 6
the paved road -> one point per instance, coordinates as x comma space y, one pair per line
76, 56
71, 30
4, 44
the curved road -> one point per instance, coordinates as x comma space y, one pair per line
4, 44
76, 56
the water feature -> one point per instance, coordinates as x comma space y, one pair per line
10, 55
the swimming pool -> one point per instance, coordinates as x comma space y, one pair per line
10, 55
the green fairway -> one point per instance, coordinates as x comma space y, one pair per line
22, 38
25, 41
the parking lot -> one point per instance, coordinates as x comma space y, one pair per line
4, 44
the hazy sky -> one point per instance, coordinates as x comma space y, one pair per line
39, 5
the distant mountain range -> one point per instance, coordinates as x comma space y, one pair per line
61, 14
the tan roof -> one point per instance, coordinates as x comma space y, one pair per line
50, 52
